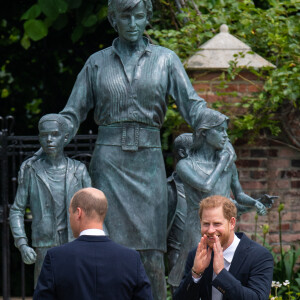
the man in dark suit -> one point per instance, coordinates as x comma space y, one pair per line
92, 266
225, 265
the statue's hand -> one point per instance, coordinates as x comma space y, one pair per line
224, 156
260, 208
232, 157
28, 254
267, 200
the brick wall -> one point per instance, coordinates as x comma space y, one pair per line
266, 167
272, 168
207, 84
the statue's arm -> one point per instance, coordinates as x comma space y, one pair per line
86, 179
206, 184
232, 155
243, 198
81, 100
181, 90
17, 210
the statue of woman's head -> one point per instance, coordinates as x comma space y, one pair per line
207, 121
126, 5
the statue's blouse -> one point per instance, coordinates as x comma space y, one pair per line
103, 85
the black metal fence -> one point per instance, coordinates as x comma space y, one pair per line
13, 151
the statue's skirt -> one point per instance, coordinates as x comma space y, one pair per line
134, 182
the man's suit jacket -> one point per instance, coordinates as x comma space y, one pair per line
249, 277
92, 268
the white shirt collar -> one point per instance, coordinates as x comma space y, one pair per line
229, 252
92, 231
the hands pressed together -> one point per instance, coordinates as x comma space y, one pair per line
203, 256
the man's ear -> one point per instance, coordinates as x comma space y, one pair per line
232, 222
78, 212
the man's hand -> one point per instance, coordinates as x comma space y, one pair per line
218, 263
28, 254
202, 257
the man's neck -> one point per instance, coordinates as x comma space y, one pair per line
91, 224
230, 241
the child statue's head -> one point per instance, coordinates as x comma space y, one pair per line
210, 128
182, 145
53, 134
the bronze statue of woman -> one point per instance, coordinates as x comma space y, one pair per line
128, 85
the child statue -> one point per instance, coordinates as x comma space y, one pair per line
47, 184
204, 173
176, 201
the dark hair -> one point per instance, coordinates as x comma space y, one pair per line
229, 209
123, 5
91, 201
57, 118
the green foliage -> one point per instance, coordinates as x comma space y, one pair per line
173, 122
286, 278
33, 110
284, 270
33, 12
169, 294
285, 262
273, 32
35, 29
282, 291
44, 44
5, 80
47, 14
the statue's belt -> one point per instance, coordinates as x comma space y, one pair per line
129, 136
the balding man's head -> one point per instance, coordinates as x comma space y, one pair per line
92, 201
